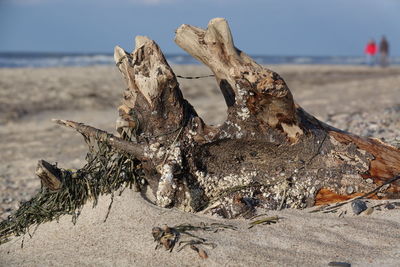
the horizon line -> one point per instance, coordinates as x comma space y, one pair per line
169, 54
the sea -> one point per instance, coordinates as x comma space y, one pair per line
42, 60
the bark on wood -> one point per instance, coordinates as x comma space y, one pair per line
136, 150
49, 174
269, 152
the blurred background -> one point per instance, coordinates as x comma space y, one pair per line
84, 32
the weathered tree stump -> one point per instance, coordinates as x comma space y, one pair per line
269, 152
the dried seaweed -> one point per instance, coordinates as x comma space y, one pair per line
264, 221
106, 171
168, 237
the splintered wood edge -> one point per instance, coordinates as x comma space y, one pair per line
49, 175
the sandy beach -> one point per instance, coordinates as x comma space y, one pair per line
359, 99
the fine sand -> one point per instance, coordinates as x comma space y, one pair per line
362, 100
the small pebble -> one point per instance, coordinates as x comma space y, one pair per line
389, 206
369, 211
349, 190
358, 206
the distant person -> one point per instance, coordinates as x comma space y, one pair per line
384, 52
370, 51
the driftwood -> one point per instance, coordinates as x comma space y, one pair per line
269, 152
49, 175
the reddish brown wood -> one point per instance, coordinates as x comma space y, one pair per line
385, 164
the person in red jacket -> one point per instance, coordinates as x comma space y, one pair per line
370, 52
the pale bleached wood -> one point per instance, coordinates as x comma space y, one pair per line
249, 89
268, 150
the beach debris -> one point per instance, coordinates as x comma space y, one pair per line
354, 207
333, 208
66, 191
369, 211
389, 206
264, 221
168, 237
358, 206
212, 227
202, 253
386, 205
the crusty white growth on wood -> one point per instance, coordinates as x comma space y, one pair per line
214, 185
167, 186
269, 150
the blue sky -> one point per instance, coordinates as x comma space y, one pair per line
269, 27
